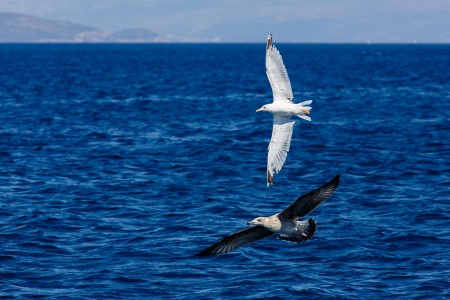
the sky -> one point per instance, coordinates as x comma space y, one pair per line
308, 21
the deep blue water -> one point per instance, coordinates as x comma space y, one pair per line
120, 162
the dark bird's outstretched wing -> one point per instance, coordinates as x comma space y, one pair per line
236, 240
308, 202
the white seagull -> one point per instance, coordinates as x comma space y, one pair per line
285, 224
282, 109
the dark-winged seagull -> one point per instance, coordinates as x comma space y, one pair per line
282, 108
284, 224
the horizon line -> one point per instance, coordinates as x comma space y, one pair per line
229, 42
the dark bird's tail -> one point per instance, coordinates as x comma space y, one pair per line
305, 231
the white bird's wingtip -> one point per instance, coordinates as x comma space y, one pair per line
269, 42
269, 178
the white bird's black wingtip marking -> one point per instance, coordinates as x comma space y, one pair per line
269, 42
269, 179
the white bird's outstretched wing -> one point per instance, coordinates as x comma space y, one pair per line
279, 145
277, 74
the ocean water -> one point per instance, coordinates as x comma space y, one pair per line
120, 162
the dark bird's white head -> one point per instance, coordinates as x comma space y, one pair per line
258, 221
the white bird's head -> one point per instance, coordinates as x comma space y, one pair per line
266, 107
259, 221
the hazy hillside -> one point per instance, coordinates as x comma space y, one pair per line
135, 34
16, 28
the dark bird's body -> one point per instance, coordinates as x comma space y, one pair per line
285, 224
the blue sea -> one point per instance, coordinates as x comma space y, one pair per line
120, 162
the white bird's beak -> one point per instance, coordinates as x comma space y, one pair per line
251, 223
258, 110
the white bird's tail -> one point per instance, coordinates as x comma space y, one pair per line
304, 110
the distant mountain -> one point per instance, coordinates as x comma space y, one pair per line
19, 28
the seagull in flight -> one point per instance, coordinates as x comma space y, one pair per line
285, 224
282, 109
